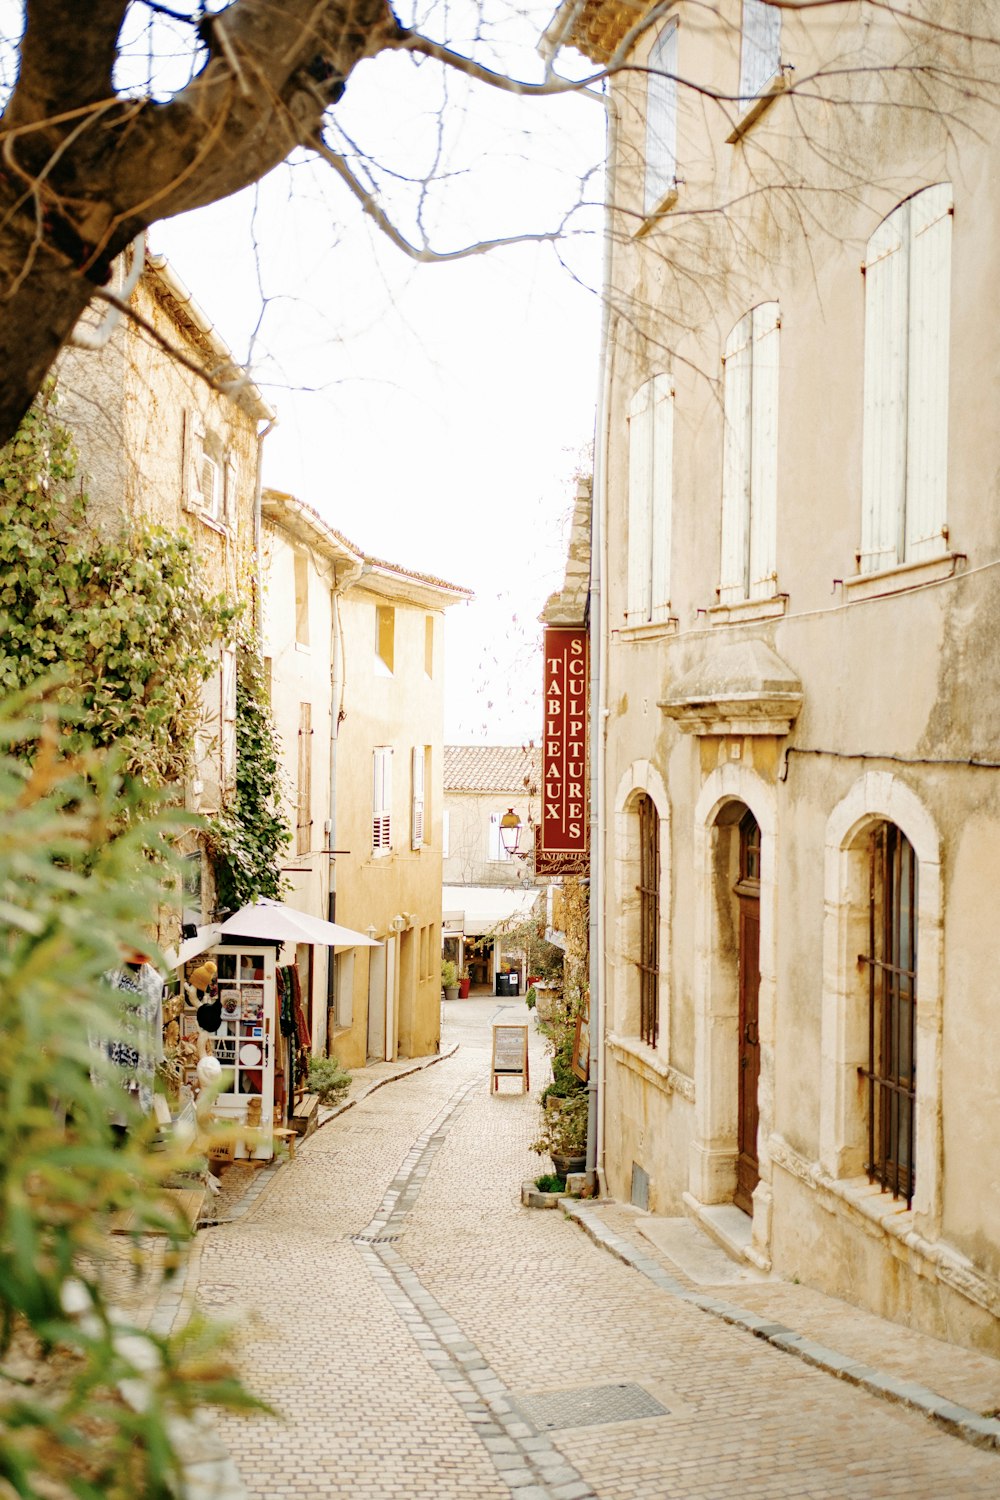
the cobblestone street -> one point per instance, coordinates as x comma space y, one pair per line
406, 1316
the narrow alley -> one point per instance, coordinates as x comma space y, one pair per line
420, 1333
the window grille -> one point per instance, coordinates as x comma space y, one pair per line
649, 922
892, 1009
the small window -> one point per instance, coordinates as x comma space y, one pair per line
760, 48
385, 638
661, 120
301, 599
382, 800
497, 853
429, 645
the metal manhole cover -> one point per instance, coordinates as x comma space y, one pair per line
588, 1406
373, 1239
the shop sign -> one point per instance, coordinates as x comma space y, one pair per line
563, 841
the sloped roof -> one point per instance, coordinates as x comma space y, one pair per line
491, 768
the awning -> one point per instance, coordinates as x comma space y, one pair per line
483, 908
275, 920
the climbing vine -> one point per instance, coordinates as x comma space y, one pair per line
119, 617
246, 840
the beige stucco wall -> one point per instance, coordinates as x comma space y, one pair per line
469, 813
909, 676
398, 893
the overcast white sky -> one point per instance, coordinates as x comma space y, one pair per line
434, 414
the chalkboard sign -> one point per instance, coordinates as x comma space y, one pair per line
510, 1054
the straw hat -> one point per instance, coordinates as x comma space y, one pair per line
203, 976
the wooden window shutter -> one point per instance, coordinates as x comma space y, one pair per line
736, 457
928, 339
382, 800
661, 495
192, 453
661, 119
883, 462
640, 481
762, 539
760, 50
417, 813
303, 821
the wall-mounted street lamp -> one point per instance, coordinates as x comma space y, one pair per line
510, 831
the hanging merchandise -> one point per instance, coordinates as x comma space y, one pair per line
138, 1047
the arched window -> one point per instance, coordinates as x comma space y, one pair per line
649, 921
891, 961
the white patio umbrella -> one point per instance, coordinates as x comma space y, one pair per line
191, 947
275, 920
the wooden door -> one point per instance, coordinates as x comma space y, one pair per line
749, 1050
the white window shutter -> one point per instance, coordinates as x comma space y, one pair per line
661, 119
230, 505
640, 481
927, 397
417, 812
760, 51
736, 455
193, 450
763, 560
661, 495
883, 461
382, 800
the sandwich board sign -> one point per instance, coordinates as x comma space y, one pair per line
510, 1054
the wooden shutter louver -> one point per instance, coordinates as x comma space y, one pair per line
417, 814
382, 800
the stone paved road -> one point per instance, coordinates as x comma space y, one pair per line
401, 1310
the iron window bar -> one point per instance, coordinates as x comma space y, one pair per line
892, 1009
649, 922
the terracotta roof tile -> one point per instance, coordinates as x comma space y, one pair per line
491, 768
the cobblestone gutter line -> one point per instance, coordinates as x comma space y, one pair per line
526, 1460
960, 1421
209, 1471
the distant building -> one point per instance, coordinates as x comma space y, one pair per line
355, 652
487, 890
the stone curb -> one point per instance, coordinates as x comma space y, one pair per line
960, 1421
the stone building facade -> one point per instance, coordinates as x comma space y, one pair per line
799, 541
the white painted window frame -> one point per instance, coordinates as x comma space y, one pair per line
748, 566
650, 501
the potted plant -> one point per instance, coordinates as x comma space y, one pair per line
449, 979
464, 984
563, 1135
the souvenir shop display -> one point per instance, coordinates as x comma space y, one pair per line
228, 1013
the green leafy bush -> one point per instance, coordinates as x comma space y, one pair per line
120, 615
328, 1080
85, 863
449, 974
246, 840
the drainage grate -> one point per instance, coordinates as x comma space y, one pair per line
588, 1406
373, 1239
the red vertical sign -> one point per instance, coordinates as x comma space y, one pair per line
563, 844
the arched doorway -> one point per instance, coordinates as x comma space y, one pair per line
747, 892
